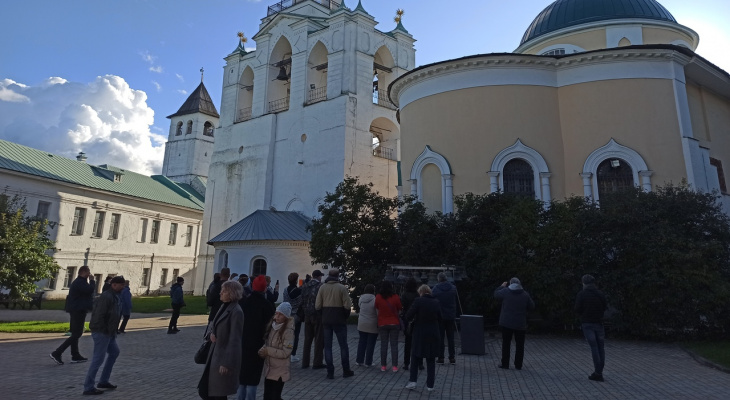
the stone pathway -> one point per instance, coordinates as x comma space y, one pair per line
153, 365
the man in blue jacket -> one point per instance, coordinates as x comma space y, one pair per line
445, 293
513, 319
176, 294
79, 301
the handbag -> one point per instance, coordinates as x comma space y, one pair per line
201, 356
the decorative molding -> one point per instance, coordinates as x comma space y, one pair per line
426, 157
614, 150
540, 170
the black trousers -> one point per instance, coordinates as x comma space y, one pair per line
77, 329
123, 326
446, 328
519, 335
175, 315
273, 389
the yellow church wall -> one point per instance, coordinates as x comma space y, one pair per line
637, 113
431, 187
717, 119
588, 40
697, 113
481, 122
656, 35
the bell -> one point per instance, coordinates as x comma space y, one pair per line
401, 277
389, 276
283, 76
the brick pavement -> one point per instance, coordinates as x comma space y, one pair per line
155, 365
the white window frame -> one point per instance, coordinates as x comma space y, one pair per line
172, 239
539, 169
98, 230
427, 157
642, 174
114, 226
77, 228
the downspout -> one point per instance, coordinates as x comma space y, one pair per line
152, 264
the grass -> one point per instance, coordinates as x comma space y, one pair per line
195, 305
36, 327
717, 352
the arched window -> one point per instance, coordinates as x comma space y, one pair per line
245, 95
613, 175
317, 74
258, 267
223, 260
280, 63
383, 65
178, 131
190, 128
518, 178
426, 158
208, 129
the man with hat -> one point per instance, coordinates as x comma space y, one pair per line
334, 302
257, 313
105, 318
312, 322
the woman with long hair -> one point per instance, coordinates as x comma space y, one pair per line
388, 305
276, 352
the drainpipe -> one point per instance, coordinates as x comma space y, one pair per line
152, 264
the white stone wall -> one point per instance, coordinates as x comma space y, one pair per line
188, 155
282, 258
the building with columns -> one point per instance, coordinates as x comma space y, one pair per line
599, 95
304, 110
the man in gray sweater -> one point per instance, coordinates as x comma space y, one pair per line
516, 302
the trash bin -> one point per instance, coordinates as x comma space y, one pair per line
472, 335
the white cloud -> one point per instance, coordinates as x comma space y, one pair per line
106, 119
156, 68
157, 85
180, 77
182, 91
147, 57
9, 91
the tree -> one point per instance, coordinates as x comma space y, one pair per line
23, 244
356, 233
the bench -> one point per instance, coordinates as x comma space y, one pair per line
34, 299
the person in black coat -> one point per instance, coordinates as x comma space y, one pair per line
257, 313
410, 294
426, 316
591, 304
80, 301
513, 319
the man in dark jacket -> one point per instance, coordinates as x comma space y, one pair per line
79, 301
312, 323
590, 305
513, 319
333, 301
176, 294
104, 322
257, 314
445, 293
214, 293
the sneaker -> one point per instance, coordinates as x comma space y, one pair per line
502, 366
348, 374
295, 359
411, 385
78, 359
368, 365
330, 376
106, 385
360, 364
430, 389
383, 368
452, 360
93, 392
176, 330
596, 377
440, 360
395, 369
56, 358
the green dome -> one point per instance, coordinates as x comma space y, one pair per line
565, 13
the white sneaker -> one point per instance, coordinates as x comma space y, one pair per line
429, 389
411, 385
295, 359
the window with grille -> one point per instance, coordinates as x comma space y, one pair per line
518, 178
69, 277
173, 235
189, 236
145, 276
613, 175
79, 218
52, 282
98, 224
143, 229
114, 226
163, 277
259, 267
155, 233
175, 274
43, 207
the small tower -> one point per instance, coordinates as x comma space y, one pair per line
189, 145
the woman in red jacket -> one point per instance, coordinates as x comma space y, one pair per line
388, 305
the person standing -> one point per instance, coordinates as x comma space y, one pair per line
214, 293
591, 304
425, 313
272, 295
516, 302
388, 306
410, 294
333, 300
107, 283
312, 322
257, 312
178, 302
126, 307
445, 293
220, 376
79, 301
104, 323
276, 352
293, 296
367, 326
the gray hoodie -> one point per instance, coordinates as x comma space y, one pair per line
367, 320
515, 304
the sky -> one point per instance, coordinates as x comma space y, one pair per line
101, 76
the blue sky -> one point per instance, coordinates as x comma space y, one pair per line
120, 67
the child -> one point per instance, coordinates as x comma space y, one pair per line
276, 352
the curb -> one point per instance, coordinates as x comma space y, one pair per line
706, 362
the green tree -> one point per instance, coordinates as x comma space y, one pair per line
24, 242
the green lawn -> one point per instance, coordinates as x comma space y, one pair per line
195, 305
717, 352
36, 327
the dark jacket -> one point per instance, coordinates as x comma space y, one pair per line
591, 304
214, 298
407, 301
309, 296
333, 300
80, 295
445, 293
227, 328
515, 304
257, 313
126, 301
293, 296
425, 312
272, 295
176, 294
106, 314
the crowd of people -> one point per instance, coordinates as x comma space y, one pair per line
251, 336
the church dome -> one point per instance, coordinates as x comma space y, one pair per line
566, 13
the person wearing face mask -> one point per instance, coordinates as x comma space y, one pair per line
312, 323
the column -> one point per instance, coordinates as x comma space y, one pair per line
545, 183
414, 189
646, 180
493, 181
448, 200
587, 186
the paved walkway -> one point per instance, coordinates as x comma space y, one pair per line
154, 365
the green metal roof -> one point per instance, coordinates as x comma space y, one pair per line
565, 13
18, 158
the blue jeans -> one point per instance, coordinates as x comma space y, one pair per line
596, 337
366, 348
341, 332
246, 392
103, 345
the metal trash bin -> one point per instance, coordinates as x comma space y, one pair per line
472, 335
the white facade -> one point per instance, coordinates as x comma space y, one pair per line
284, 144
